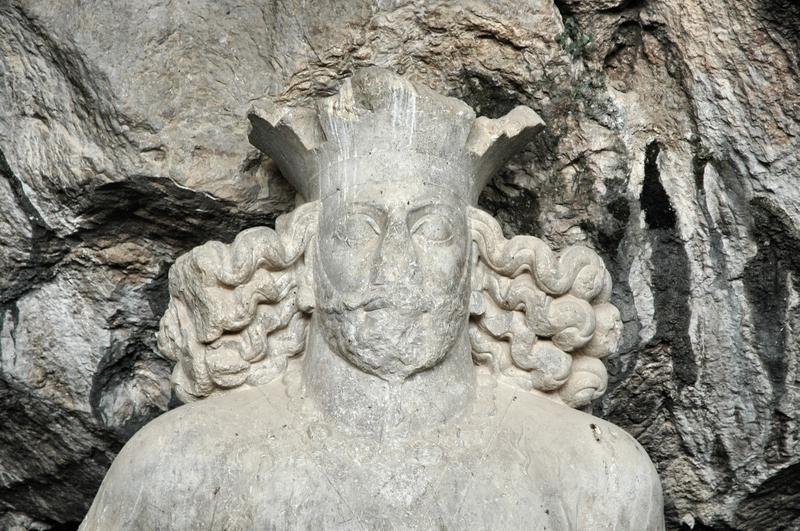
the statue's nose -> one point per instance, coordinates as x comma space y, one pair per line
396, 261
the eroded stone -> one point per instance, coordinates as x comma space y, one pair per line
385, 358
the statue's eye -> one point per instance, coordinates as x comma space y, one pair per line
433, 228
357, 227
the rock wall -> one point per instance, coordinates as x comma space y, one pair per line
671, 149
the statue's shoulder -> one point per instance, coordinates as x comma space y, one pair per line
191, 456
255, 412
560, 427
592, 458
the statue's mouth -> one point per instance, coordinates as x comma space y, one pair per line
405, 306
376, 303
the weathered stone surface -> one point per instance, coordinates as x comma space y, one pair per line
671, 148
420, 365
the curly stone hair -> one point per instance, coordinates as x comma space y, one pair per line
238, 312
541, 319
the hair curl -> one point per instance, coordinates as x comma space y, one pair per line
541, 319
238, 312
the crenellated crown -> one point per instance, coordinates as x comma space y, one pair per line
381, 127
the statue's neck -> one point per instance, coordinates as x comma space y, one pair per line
362, 402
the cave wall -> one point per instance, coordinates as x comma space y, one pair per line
671, 149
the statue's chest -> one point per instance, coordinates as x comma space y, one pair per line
447, 482
474, 474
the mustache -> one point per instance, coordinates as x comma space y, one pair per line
375, 300
404, 299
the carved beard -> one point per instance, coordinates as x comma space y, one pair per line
391, 331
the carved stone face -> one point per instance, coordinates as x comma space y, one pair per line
392, 275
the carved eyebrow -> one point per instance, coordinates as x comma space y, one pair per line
366, 204
377, 212
432, 204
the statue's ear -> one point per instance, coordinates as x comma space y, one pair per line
238, 311
541, 319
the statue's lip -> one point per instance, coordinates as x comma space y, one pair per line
404, 309
377, 303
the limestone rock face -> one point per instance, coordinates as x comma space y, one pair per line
671, 149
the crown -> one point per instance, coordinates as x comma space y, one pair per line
381, 127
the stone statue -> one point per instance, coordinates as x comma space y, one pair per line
385, 358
